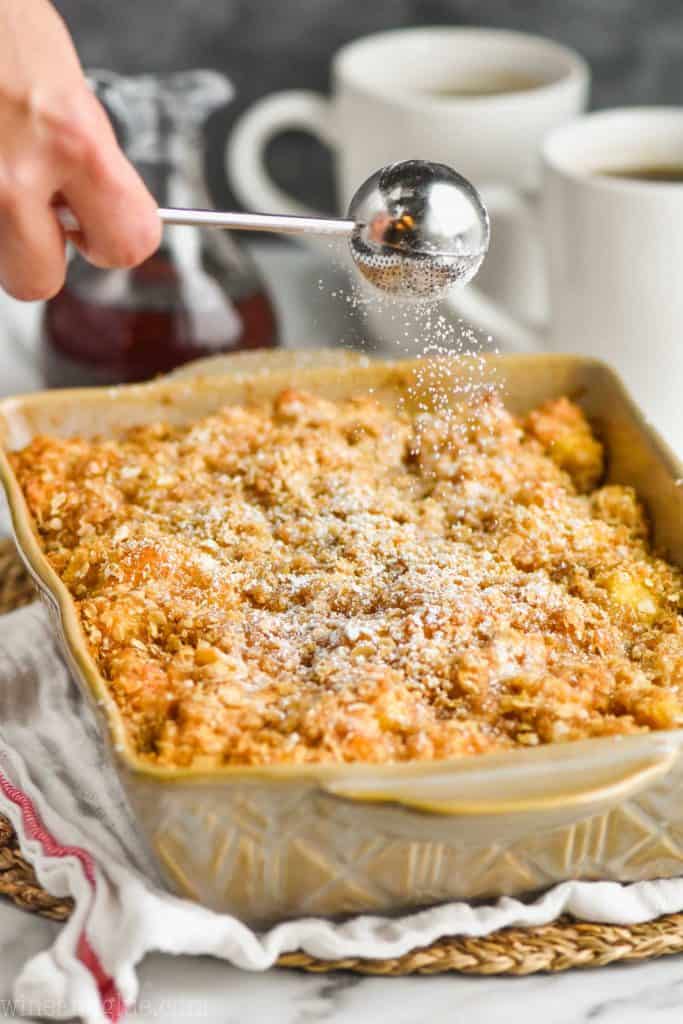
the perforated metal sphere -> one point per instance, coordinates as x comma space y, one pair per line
420, 228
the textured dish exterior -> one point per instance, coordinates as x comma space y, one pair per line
267, 844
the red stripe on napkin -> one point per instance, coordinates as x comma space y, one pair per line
112, 1001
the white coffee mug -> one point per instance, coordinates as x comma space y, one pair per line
481, 100
615, 250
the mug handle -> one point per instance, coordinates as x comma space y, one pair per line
245, 150
485, 312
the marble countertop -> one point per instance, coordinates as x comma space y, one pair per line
184, 990
181, 990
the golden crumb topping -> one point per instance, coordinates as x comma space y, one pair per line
311, 581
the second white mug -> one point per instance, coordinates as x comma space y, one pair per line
614, 245
612, 213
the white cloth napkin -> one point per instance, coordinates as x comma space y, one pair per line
74, 826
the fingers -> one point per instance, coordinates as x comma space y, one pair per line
67, 153
56, 142
119, 223
32, 257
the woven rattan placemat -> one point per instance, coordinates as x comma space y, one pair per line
554, 947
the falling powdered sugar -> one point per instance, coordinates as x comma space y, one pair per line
456, 370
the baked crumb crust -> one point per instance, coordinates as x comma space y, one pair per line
318, 581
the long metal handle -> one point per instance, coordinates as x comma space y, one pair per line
240, 222
259, 222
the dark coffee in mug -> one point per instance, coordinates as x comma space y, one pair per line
488, 83
665, 173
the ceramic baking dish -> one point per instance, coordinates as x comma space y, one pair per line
271, 843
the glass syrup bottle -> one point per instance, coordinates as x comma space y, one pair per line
198, 295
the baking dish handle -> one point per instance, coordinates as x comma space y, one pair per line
575, 784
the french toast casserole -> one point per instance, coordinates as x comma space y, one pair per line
312, 580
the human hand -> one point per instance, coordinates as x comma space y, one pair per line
57, 146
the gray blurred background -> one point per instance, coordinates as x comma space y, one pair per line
634, 47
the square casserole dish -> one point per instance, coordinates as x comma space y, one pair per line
270, 843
